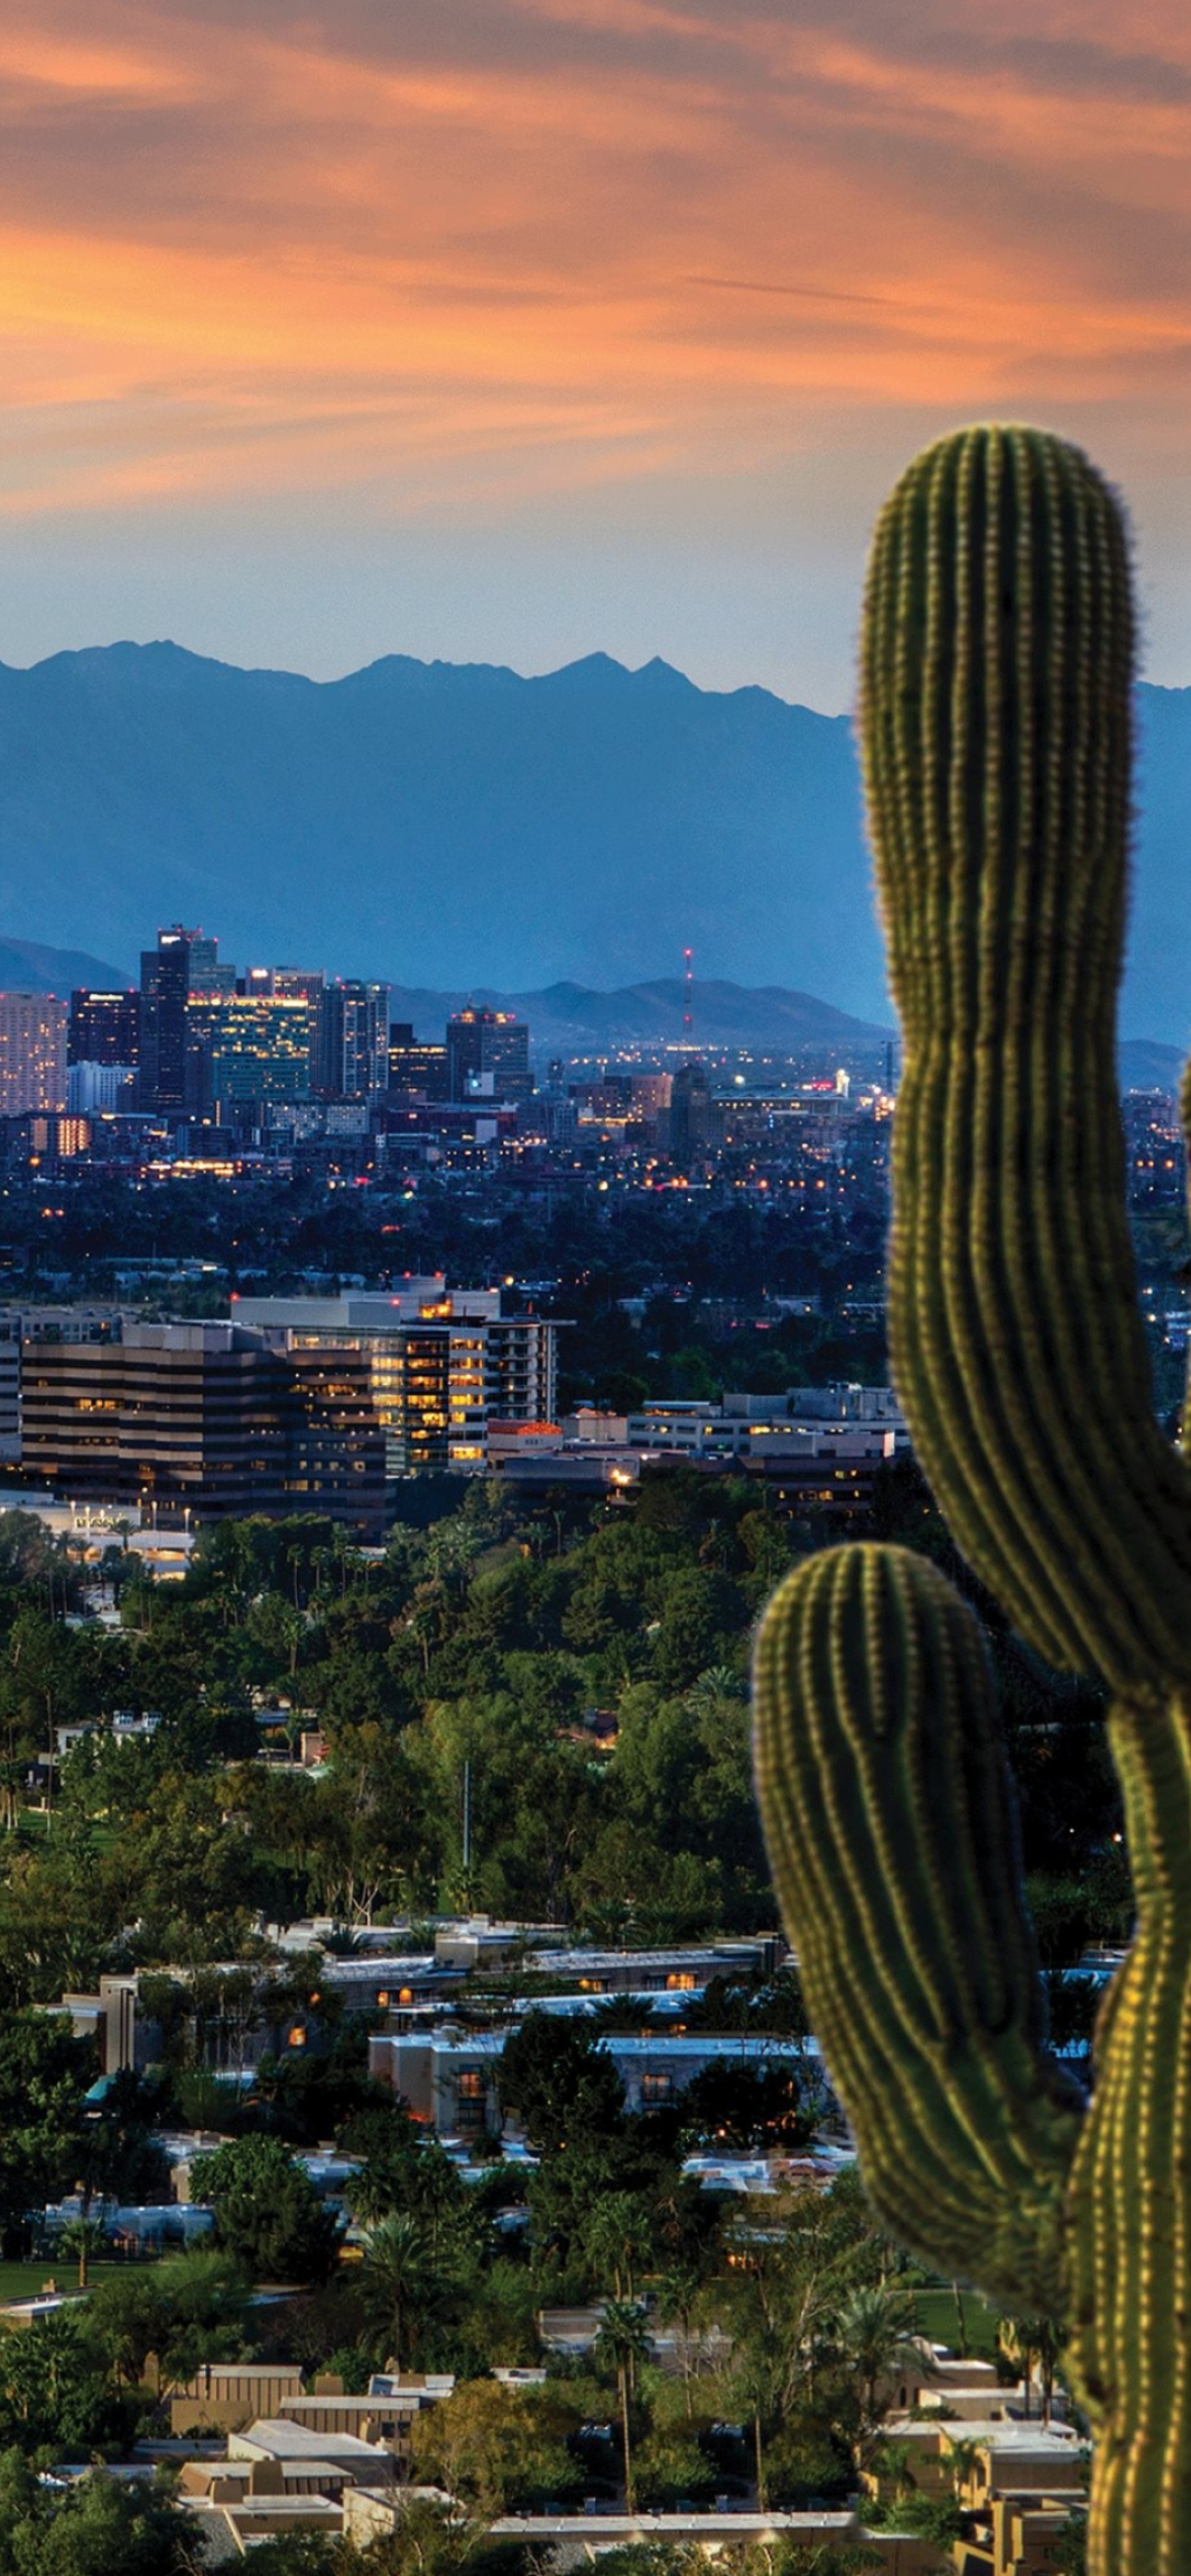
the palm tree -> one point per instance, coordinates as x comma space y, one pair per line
875, 2328
677, 2294
82, 2237
963, 2459
756, 2383
1026, 2340
398, 2283
622, 2342
617, 2237
720, 1682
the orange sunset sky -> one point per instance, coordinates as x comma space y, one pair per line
513, 329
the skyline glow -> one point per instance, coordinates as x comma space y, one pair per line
514, 329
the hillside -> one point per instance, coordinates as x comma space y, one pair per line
422, 821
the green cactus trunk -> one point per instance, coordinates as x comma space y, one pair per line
996, 678
1130, 2191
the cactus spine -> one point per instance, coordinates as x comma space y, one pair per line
996, 674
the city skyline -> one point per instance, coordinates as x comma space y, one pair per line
514, 331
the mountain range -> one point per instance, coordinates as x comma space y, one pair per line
414, 820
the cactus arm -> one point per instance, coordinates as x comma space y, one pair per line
996, 728
1130, 2194
892, 1836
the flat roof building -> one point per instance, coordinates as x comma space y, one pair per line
205, 1420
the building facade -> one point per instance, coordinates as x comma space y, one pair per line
183, 963
33, 1030
488, 1050
104, 1028
352, 1056
207, 1420
247, 1050
443, 1363
417, 1071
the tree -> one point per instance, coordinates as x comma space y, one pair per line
618, 2237
54, 2392
81, 2238
496, 2448
186, 2309
400, 2284
748, 2106
560, 2082
1025, 2340
267, 2211
431, 2539
43, 2072
622, 2344
876, 2331
99, 2527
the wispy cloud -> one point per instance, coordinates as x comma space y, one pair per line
245, 247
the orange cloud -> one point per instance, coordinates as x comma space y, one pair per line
527, 243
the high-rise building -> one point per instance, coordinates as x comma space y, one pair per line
692, 1114
352, 1061
483, 1044
183, 963
416, 1070
32, 1053
247, 1049
104, 1027
208, 1419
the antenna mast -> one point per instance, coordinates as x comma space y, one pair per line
688, 994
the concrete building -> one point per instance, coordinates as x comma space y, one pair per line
101, 1090
20, 1324
32, 1053
104, 1027
352, 1046
417, 1070
442, 1363
451, 2079
248, 1050
206, 1421
183, 963
279, 2476
488, 1051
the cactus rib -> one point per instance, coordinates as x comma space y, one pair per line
996, 720
1130, 2210
996, 700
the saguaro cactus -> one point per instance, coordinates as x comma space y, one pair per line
997, 663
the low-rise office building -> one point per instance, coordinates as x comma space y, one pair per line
441, 1363
451, 2079
204, 1421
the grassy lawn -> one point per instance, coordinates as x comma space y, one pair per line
937, 2317
24, 2280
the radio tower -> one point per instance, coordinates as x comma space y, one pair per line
688, 995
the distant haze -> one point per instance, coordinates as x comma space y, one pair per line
449, 827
